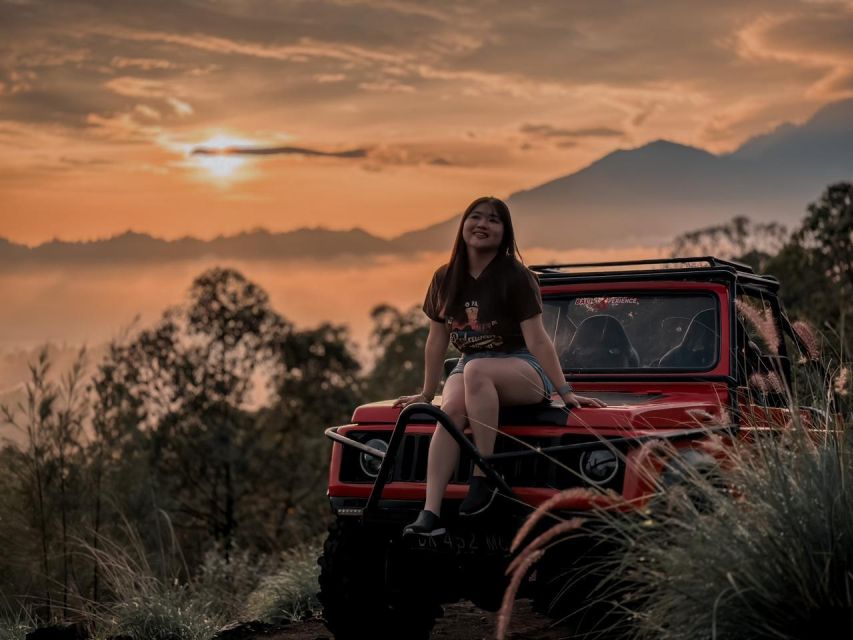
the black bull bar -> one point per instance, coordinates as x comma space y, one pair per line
485, 462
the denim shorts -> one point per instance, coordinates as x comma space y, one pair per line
522, 354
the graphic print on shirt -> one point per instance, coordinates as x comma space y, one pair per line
472, 332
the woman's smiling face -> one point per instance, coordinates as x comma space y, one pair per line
483, 229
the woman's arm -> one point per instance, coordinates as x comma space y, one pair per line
434, 350
540, 345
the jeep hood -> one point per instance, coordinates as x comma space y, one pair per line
664, 407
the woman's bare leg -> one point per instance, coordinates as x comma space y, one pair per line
491, 383
443, 449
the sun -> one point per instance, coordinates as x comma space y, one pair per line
219, 164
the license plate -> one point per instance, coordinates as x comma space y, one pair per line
464, 542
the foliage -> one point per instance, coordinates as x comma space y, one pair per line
39, 478
772, 563
828, 228
13, 629
738, 238
814, 263
398, 340
317, 384
827, 237
291, 593
163, 616
213, 416
224, 584
149, 599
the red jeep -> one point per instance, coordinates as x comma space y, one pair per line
677, 349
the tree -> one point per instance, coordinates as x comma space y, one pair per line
398, 338
206, 356
739, 239
46, 475
317, 384
116, 455
814, 264
828, 230
229, 401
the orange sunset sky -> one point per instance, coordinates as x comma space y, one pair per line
385, 114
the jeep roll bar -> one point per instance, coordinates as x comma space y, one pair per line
654, 269
710, 261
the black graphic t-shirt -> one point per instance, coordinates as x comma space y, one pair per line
480, 319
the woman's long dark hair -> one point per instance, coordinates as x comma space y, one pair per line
457, 266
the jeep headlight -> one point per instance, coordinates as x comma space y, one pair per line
599, 466
369, 463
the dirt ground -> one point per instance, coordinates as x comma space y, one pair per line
461, 621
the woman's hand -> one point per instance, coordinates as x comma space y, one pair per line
572, 401
402, 401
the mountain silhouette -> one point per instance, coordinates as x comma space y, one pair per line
641, 196
259, 244
652, 193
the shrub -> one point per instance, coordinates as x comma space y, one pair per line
762, 550
224, 584
771, 563
291, 593
13, 629
149, 604
166, 614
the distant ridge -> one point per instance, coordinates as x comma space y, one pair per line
641, 196
259, 244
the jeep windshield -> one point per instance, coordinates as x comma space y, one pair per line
634, 331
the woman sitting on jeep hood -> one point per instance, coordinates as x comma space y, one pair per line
487, 304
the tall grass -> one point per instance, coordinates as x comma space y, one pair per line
760, 548
224, 582
291, 593
149, 601
14, 629
771, 559
155, 598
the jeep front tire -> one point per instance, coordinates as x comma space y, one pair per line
357, 600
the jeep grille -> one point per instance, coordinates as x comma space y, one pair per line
530, 471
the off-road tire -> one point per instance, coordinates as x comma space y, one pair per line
357, 601
567, 590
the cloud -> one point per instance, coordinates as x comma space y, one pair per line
147, 112
19, 82
305, 49
823, 35
181, 108
138, 87
387, 87
818, 39
324, 78
447, 153
275, 151
550, 131
377, 157
389, 75
146, 64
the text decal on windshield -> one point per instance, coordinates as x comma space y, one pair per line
603, 302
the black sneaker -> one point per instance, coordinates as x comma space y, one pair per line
480, 496
427, 524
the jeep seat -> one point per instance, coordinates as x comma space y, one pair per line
600, 342
698, 347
